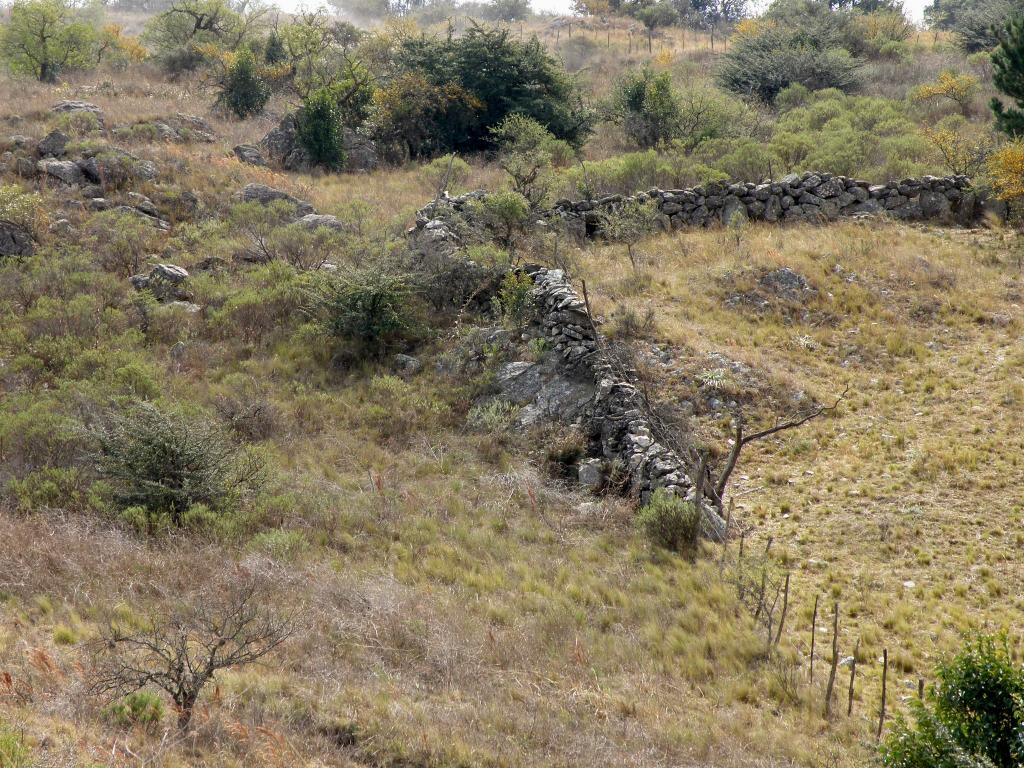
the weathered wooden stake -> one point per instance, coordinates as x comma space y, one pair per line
835, 661
785, 607
814, 630
885, 671
920, 688
853, 676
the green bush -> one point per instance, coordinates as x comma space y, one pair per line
369, 312
513, 303
141, 708
670, 522
244, 91
13, 752
631, 171
319, 127
446, 173
160, 464
647, 107
20, 207
973, 717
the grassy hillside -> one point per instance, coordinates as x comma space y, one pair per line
455, 600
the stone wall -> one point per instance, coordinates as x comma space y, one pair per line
808, 197
615, 420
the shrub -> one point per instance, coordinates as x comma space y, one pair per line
958, 88
319, 127
368, 311
162, 464
19, 207
506, 214
139, 708
446, 173
973, 717
763, 64
646, 107
670, 522
244, 91
512, 303
629, 224
121, 241
13, 752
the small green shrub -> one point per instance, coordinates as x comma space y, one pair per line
446, 173
139, 708
669, 522
492, 417
319, 127
244, 91
20, 207
369, 312
512, 304
161, 465
646, 106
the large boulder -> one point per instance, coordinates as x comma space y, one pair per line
114, 167
62, 170
15, 240
261, 193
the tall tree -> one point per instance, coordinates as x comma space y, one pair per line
1008, 76
45, 37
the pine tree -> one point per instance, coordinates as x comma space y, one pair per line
1008, 76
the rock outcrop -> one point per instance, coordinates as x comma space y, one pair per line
15, 240
283, 148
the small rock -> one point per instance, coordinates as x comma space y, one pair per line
248, 153
590, 474
62, 170
407, 365
261, 193
69, 106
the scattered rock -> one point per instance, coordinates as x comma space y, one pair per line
317, 220
261, 193
283, 147
63, 170
71, 107
786, 284
590, 474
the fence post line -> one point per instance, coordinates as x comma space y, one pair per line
885, 671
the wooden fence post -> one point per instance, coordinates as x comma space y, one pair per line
853, 676
885, 671
835, 661
814, 629
785, 607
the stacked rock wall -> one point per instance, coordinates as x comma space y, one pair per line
808, 197
616, 419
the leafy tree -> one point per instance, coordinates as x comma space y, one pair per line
646, 106
1008, 76
483, 76
629, 224
1006, 169
973, 717
190, 32
958, 88
509, 10
660, 14
319, 126
46, 37
244, 91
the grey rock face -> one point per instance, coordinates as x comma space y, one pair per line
53, 144
15, 240
407, 365
317, 220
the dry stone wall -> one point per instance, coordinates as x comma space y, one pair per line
807, 197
